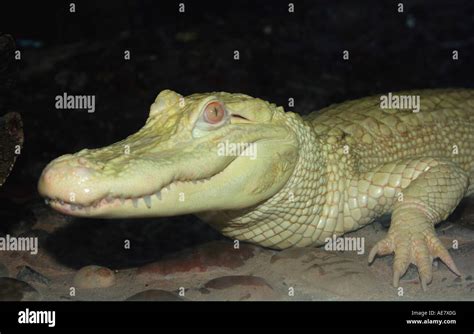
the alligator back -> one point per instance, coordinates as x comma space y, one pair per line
442, 128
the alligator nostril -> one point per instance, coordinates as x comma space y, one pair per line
82, 172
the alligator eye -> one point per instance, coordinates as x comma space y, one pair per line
214, 113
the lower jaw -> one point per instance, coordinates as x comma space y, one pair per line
76, 209
153, 206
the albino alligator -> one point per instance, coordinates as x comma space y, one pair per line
311, 178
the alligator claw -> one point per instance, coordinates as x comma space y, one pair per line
418, 248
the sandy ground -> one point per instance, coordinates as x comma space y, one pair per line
214, 269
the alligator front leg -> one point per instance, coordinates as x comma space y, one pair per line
426, 201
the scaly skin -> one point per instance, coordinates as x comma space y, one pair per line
327, 174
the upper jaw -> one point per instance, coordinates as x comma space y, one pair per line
75, 188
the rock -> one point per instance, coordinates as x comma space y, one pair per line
214, 254
91, 277
30, 275
155, 295
3, 270
240, 287
11, 135
15, 290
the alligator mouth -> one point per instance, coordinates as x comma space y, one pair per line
110, 202
158, 201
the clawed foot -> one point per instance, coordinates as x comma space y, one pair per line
419, 248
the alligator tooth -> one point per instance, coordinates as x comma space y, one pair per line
46, 201
194, 181
147, 200
72, 207
122, 200
61, 202
158, 194
135, 202
109, 199
79, 207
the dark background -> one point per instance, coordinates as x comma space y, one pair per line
282, 55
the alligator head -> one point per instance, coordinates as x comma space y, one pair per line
204, 152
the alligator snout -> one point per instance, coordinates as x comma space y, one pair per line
69, 180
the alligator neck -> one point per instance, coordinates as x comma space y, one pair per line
304, 211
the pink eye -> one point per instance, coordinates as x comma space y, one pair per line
214, 113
